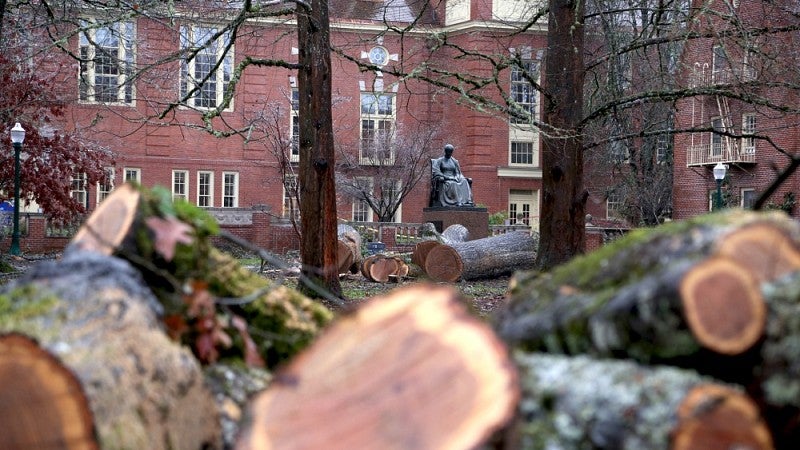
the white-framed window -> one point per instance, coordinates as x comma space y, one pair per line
523, 154
207, 69
377, 127
294, 119
291, 197
180, 185
106, 63
748, 133
132, 174
106, 185
717, 137
749, 198
361, 209
78, 189
390, 195
205, 188
230, 189
614, 203
524, 95
523, 207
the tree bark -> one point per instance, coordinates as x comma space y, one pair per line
561, 224
409, 370
95, 315
579, 402
349, 249
318, 244
489, 257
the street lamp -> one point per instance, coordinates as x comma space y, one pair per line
17, 137
719, 175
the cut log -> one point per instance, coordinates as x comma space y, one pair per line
170, 244
382, 268
42, 403
455, 233
680, 294
351, 239
581, 402
421, 250
490, 257
96, 316
409, 370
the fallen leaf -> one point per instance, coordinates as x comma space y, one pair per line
169, 233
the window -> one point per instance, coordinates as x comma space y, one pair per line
106, 63
294, 155
720, 70
662, 146
78, 190
523, 207
716, 137
206, 72
523, 94
133, 174
748, 132
361, 209
390, 196
106, 185
291, 197
230, 189
377, 126
522, 153
180, 182
614, 203
748, 198
205, 189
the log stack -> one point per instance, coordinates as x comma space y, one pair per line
717, 295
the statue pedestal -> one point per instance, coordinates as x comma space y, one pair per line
476, 220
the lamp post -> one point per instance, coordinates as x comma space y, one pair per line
17, 137
719, 175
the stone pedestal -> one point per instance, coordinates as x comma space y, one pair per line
476, 220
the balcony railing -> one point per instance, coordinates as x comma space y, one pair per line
709, 154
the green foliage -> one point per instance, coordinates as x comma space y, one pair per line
498, 218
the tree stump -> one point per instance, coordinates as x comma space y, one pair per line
94, 313
381, 268
409, 370
490, 257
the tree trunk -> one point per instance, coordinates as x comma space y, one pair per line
562, 221
490, 257
318, 246
408, 370
99, 320
579, 402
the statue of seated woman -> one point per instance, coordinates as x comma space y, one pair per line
449, 187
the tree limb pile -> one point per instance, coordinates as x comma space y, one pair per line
717, 295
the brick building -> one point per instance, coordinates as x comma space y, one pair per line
746, 112
173, 150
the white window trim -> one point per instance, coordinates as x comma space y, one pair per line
187, 80
184, 195
391, 118
748, 132
370, 182
235, 195
83, 192
200, 173
285, 211
103, 194
136, 170
122, 57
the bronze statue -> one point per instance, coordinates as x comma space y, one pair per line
449, 187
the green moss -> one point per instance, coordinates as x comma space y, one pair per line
22, 304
